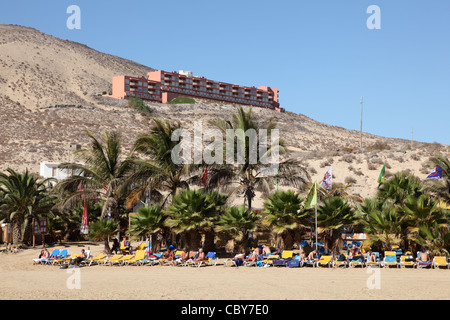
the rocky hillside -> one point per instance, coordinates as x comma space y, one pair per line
49, 95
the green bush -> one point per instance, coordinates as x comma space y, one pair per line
139, 105
179, 100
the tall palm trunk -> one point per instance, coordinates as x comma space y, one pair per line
192, 240
209, 241
243, 245
17, 232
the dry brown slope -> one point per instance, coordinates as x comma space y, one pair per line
38, 70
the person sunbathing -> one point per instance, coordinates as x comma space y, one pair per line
253, 256
266, 250
183, 258
80, 258
169, 254
238, 259
302, 256
355, 254
423, 257
372, 256
201, 255
313, 256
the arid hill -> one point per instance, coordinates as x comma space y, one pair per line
50, 93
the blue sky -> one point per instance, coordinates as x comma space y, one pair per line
319, 54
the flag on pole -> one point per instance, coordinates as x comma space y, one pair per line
327, 182
382, 175
436, 174
84, 220
205, 177
311, 199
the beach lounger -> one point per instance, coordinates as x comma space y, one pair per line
62, 255
268, 261
325, 261
190, 261
407, 260
373, 263
121, 260
357, 262
337, 262
53, 255
140, 255
235, 263
113, 258
423, 264
306, 263
440, 261
210, 260
150, 260
94, 260
176, 256
140, 247
66, 260
390, 259
163, 261
286, 256
294, 263
252, 263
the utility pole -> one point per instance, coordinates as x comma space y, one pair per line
360, 142
412, 137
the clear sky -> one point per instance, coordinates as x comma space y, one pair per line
320, 54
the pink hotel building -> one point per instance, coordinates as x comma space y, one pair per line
162, 86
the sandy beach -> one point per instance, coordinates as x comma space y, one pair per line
21, 280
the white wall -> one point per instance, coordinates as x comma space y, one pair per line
50, 170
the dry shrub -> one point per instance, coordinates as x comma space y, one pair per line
350, 180
415, 157
371, 166
349, 149
348, 158
379, 146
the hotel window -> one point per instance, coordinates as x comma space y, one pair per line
127, 81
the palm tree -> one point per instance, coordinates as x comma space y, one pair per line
99, 176
238, 222
339, 190
193, 214
282, 217
332, 217
248, 175
423, 211
155, 170
148, 221
400, 187
24, 198
103, 230
434, 238
382, 221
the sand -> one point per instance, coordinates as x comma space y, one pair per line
23, 280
